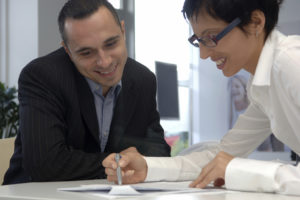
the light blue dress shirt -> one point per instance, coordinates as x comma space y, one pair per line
104, 108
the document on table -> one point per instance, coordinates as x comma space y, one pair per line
139, 189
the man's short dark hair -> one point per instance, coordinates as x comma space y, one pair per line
228, 10
80, 9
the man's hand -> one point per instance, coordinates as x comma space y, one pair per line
133, 165
213, 171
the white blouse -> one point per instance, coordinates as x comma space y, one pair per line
274, 94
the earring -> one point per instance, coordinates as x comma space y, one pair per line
256, 34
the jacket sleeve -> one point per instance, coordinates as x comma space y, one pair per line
47, 156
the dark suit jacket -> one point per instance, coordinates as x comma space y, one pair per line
59, 138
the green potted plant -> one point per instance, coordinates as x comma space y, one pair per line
9, 112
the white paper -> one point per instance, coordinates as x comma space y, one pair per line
139, 189
164, 186
123, 190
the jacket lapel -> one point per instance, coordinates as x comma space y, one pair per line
124, 109
87, 105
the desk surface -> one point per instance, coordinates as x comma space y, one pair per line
48, 191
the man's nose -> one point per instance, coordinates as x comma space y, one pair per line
104, 59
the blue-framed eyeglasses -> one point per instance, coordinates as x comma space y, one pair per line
212, 41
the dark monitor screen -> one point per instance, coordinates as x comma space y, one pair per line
167, 90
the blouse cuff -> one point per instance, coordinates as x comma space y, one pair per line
161, 169
251, 175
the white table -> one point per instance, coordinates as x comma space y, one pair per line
48, 191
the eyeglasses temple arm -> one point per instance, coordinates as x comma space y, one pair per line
233, 24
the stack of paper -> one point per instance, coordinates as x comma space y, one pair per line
138, 189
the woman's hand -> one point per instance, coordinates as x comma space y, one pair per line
213, 171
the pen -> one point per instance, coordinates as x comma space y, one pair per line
119, 175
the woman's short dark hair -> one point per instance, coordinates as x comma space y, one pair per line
228, 10
80, 9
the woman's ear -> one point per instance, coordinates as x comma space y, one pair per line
257, 23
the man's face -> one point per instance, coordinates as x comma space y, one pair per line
96, 45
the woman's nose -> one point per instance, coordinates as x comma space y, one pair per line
205, 52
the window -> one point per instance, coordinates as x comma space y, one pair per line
161, 34
117, 4
3, 41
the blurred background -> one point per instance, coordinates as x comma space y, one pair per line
204, 102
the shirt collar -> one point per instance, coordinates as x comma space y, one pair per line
262, 74
97, 88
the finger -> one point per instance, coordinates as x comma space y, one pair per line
130, 179
213, 175
110, 172
203, 174
109, 161
112, 178
207, 180
198, 180
124, 161
127, 177
129, 173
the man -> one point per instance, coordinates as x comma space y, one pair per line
84, 101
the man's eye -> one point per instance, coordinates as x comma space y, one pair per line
110, 44
86, 53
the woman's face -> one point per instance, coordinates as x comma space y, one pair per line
239, 94
234, 51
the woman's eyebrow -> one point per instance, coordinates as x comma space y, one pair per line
209, 30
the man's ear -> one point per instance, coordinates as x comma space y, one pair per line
66, 48
257, 24
123, 28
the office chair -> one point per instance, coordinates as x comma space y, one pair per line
6, 151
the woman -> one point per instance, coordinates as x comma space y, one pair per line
238, 34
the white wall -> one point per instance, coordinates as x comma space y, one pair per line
29, 30
289, 17
22, 18
49, 37
3, 46
21, 38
